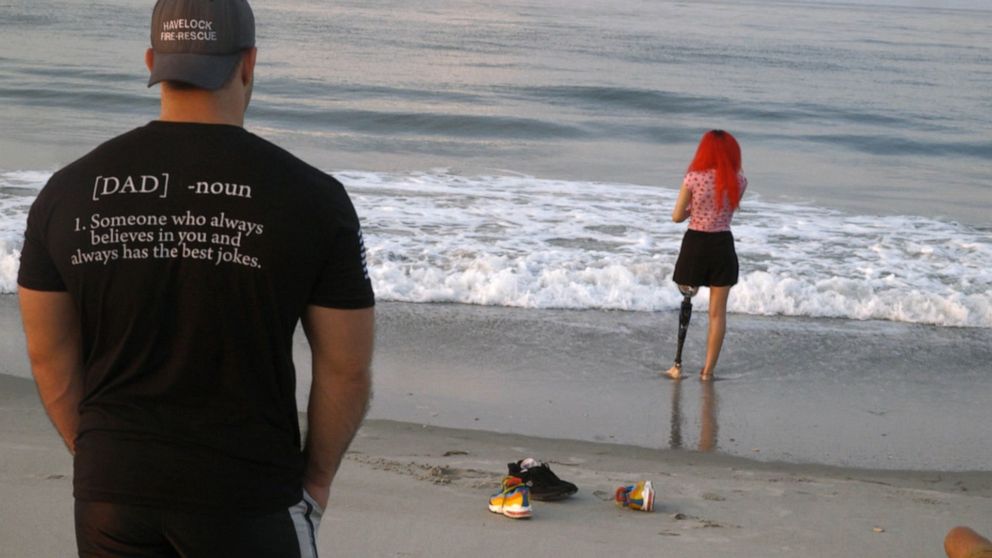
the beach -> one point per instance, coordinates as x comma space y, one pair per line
410, 486
409, 490
514, 166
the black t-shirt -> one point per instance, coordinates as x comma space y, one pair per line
191, 252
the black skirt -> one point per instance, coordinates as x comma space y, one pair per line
706, 259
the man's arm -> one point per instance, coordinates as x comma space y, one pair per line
51, 326
341, 342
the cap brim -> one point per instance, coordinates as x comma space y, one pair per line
206, 71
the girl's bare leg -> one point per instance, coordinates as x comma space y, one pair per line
717, 329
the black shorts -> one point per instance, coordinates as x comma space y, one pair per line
706, 259
113, 530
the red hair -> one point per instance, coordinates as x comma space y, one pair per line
718, 150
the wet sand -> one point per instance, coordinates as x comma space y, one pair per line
878, 395
838, 392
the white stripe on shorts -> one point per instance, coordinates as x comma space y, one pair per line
306, 520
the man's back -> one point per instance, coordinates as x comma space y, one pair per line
161, 280
191, 252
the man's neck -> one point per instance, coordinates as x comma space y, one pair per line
203, 107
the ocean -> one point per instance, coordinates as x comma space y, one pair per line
527, 153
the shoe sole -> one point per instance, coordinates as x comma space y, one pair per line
552, 496
513, 514
650, 499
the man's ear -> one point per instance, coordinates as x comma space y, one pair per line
248, 66
150, 59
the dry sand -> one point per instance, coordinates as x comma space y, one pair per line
413, 490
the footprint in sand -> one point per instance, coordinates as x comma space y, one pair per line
603, 495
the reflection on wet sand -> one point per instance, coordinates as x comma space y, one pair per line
708, 427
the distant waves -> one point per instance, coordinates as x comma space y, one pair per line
651, 117
599, 113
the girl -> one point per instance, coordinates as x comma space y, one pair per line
710, 194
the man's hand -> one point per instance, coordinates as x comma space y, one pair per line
320, 493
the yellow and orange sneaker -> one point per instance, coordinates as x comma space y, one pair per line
638, 496
512, 500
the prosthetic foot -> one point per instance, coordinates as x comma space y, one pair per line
685, 313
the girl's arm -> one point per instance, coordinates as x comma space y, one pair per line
683, 205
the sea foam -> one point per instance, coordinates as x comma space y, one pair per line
511, 240
521, 241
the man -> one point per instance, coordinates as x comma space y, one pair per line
161, 281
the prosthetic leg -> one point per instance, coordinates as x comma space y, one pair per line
685, 313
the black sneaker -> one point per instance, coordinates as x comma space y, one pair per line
543, 483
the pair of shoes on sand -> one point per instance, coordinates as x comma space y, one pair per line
513, 499
528, 478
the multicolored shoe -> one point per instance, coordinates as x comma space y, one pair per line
638, 496
543, 483
512, 500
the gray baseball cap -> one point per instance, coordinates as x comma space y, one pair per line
200, 41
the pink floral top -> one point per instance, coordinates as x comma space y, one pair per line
704, 213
